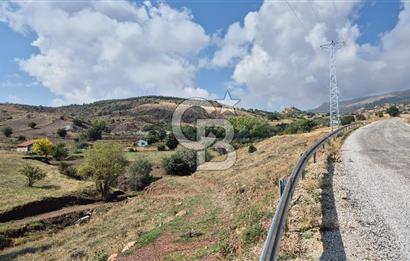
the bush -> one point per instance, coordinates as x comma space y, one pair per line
21, 138
62, 132
300, 126
7, 131
95, 131
360, 117
103, 164
32, 124
162, 134
140, 175
182, 163
171, 141
161, 147
152, 137
78, 122
32, 174
252, 149
348, 119
380, 114
393, 111
252, 234
251, 128
59, 152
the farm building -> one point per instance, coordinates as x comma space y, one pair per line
25, 146
141, 143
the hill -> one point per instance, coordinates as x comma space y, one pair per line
370, 102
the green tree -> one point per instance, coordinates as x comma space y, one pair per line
152, 137
393, 111
32, 124
103, 164
43, 147
59, 152
347, 119
182, 163
7, 131
140, 175
161, 147
171, 141
32, 174
62, 132
162, 134
360, 117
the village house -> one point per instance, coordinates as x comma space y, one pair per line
25, 146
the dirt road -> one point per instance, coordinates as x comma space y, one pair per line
372, 192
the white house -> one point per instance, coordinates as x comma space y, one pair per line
25, 146
141, 143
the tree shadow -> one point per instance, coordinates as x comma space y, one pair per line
333, 248
47, 186
27, 250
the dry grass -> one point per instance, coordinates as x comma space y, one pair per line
302, 240
13, 185
232, 209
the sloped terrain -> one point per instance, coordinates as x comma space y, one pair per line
212, 214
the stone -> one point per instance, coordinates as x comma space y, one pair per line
128, 246
181, 213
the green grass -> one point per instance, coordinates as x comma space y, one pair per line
13, 184
155, 157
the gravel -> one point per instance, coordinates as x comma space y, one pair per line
372, 192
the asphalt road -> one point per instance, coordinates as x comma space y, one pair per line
376, 179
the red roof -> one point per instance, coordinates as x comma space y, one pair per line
26, 143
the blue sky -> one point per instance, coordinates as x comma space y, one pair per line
374, 18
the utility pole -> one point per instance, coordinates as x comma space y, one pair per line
333, 91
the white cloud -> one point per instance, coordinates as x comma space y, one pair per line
278, 62
92, 50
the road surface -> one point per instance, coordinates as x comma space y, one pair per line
373, 192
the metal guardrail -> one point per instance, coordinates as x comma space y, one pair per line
272, 244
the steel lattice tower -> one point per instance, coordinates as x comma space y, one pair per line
333, 91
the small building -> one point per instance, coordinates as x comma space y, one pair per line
141, 143
25, 146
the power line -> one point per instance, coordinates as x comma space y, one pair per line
297, 17
315, 13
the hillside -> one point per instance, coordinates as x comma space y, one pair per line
370, 102
126, 115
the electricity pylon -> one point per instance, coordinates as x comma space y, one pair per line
333, 91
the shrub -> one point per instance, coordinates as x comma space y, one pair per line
161, 147
300, 126
72, 172
189, 132
251, 128
103, 164
78, 122
393, 111
348, 119
162, 134
152, 137
7, 131
140, 175
21, 138
32, 124
43, 147
62, 132
59, 152
380, 114
32, 174
171, 141
95, 131
360, 117
251, 149
182, 163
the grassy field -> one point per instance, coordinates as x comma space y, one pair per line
216, 215
13, 185
155, 157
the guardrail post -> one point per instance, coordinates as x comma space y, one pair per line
314, 157
282, 185
323, 146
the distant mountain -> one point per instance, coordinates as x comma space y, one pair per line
368, 103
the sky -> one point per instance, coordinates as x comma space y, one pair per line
266, 53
